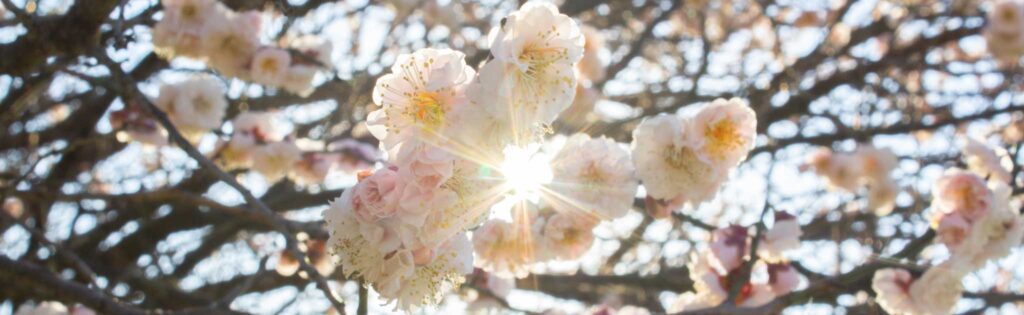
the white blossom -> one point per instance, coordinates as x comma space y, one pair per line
593, 176
531, 79
668, 166
418, 95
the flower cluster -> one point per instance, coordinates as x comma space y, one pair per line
715, 269
229, 42
195, 106
935, 292
448, 132
987, 161
975, 221
454, 138
686, 159
258, 144
1005, 31
867, 166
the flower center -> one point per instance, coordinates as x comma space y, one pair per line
679, 157
538, 59
189, 12
723, 136
427, 109
201, 104
233, 44
593, 175
1008, 15
269, 65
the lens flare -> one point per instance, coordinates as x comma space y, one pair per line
525, 170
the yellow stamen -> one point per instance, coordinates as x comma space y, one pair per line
427, 109
723, 136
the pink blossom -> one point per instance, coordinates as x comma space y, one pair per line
962, 192
783, 278
424, 165
783, 236
728, 247
500, 249
892, 287
376, 197
568, 235
952, 229
270, 65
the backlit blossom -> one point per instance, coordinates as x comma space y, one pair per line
426, 166
410, 276
258, 127
876, 164
446, 269
194, 106
986, 161
868, 166
578, 114
962, 192
1001, 230
462, 202
275, 160
594, 176
892, 289
667, 166
180, 30
783, 236
567, 235
783, 278
723, 132
882, 196
707, 283
502, 249
590, 66
842, 170
728, 247
1005, 32
376, 197
230, 43
251, 130
952, 229
938, 290
418, 95
711, 286
935, 292
424, 169
531, 79
270, 66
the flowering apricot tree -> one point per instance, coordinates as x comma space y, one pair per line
555, 157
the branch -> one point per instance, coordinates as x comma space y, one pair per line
131, 91
69, 35
42, 281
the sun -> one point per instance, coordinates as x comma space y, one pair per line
525, 171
